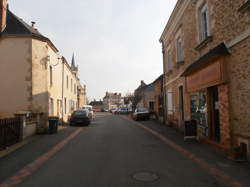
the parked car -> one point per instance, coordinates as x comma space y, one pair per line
90, 109
117, 111
123, 110
141, 113
97, 110
80, 117
114, 110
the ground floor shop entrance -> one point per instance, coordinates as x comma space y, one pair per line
205, 87
205, 110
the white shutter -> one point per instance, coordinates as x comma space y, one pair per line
170, 101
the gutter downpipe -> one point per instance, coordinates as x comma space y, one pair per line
164, 83
62, 90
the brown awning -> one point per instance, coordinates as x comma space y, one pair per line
220, 50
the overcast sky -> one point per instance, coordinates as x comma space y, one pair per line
116, 42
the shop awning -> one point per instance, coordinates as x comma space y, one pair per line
220, 50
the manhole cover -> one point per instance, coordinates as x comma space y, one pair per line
146, 176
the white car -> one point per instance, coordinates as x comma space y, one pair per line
114, 110
90, 109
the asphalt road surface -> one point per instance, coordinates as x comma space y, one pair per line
112, 152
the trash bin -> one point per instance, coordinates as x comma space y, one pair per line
53, 124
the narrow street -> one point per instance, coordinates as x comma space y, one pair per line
112, 152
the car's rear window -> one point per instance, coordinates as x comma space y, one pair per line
79, 113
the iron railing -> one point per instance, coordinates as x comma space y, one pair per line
10, 132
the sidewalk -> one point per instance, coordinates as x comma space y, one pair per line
215, 158
27, 140
19, 155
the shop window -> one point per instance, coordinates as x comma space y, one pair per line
199, 112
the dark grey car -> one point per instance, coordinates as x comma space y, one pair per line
80, 117
141, 113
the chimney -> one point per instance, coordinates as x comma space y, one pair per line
33, 24
3, 14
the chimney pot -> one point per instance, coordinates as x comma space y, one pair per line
33, 24
3, 14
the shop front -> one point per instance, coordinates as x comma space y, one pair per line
209, 105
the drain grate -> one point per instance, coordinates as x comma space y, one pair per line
146, 176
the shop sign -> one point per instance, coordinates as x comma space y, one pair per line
206, 77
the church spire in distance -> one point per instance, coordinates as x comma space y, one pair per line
73, 64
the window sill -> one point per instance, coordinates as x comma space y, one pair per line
204, 43
180, 63
245, 7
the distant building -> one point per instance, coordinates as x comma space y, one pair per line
97, 105
112, 100
145, 96
82, 96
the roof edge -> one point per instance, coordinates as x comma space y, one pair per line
172, 17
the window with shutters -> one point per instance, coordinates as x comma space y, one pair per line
169, 61
204, 22
179, 50
170, 101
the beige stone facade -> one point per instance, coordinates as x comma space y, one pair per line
212, 39
15, 82
82, 96
34, 77
112, 100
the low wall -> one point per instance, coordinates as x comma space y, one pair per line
29, 130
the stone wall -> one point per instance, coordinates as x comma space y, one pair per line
239, 92
225, 128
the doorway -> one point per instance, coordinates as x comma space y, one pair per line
214, 114
181, 103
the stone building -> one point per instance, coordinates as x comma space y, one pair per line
158, 98
112, 100
33, 76
82, 96
206, 49
97, 105
145, 94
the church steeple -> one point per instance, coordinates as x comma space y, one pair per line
73, 65
74, 68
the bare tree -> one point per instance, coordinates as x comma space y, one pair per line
135, 98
